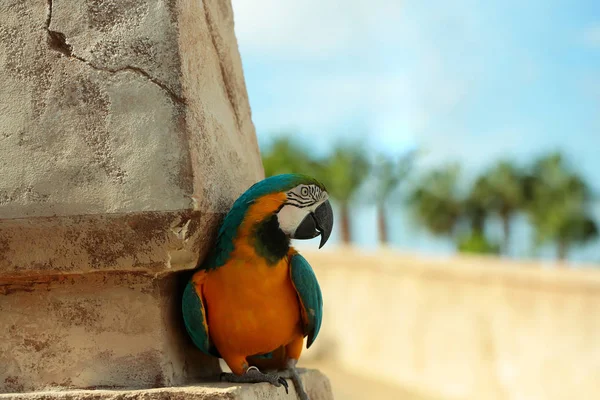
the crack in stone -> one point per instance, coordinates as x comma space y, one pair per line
226, 81
176, 99
57, 41
48, 15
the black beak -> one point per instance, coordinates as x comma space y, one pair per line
320, 222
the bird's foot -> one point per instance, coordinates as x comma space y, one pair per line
253, 375
294, 375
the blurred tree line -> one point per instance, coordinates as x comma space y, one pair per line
555, 199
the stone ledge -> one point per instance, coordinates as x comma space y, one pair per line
146, 241
316, 383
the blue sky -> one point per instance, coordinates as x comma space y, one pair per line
465, 80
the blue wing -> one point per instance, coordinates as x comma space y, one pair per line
309, 292
194, 316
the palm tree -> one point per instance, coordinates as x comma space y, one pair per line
559, 206
477, 205
502, 190
578, 229
441, 207
389, 174
436, 202
343, 173
476, 209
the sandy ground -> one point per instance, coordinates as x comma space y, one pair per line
348, 385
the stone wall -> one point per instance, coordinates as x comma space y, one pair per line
125, 135
462, 328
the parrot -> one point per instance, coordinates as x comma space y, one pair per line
254, 298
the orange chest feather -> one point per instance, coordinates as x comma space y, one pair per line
252, 306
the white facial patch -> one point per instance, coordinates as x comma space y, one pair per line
302, 200
290, 217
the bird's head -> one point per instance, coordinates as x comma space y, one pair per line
306, 212
298, 204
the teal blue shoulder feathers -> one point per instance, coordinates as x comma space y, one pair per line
308, 289
194, 317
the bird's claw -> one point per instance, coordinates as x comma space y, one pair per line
283, 383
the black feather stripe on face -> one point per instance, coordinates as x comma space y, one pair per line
270, 241
307, 196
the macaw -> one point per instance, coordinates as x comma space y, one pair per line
254, 298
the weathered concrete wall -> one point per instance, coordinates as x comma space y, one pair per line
113, 107
462, 328
94, 330
125, 135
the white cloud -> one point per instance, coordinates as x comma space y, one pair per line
591, 35
386, 105
477, 150
310, 27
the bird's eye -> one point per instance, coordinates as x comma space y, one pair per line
304, 191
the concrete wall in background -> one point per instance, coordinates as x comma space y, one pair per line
462, 328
